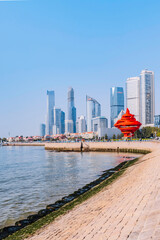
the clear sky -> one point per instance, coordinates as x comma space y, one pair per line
90, 45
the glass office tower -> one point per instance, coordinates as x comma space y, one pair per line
62, 122
42, 129
93, 109
71, 108
117, 102
57, 121
50, 117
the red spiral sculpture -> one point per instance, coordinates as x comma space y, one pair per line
128, 124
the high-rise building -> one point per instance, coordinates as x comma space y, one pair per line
68, 126
57, 121
140, 97
62, 122
147, 104
93, 109
122, 112
42, 129
133, 96
157, 121
81, 124
100, 125
71, 108
50, 117
116, 102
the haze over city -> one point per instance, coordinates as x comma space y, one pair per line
48, 45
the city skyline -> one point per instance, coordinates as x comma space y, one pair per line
71, 99
140, 99
78, 44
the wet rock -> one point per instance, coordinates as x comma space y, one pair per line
33, 218
11, 229
80, 191
5, 232
44, 212
22, 223
68, 199
59, 203
77, 193
54, 206
85, 189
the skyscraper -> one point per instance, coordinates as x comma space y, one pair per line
62, 122
133, 96
50, 117
42, 129
93, 109
57, 121
147, 104
157, 121
81, 124
71, 108
100, 125
68, 126
116, 102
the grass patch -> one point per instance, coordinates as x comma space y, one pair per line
32, 228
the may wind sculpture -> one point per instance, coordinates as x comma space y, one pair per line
128, 124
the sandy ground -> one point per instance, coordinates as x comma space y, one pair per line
129, 208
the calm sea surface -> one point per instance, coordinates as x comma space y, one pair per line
31, 178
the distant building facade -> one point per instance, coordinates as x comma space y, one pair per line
71, 108
147, 97
93, 109
100, 125
116, 102
57, 121
50, 117
81, 125
133, 96
68, 126
157, 121
42, 130
140, 97
122, 112
62, 122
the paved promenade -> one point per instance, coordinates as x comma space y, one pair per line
128, 209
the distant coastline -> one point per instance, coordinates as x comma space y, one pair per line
23, 144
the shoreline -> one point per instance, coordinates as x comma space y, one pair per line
68, 208
61, 203
22, 144
114, 174
67, 203
117, 146
126, 209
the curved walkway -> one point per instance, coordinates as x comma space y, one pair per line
129, 208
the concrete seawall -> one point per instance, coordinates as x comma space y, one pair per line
103, 146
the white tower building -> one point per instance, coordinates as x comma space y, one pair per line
133, 96
81, 124
140, 97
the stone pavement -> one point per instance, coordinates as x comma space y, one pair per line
128, 209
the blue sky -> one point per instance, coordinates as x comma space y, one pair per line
87, 44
